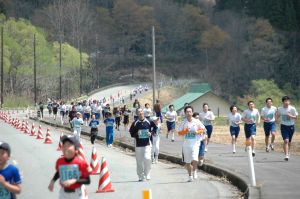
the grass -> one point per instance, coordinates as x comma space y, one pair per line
17, 101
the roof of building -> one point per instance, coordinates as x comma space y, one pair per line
197, 90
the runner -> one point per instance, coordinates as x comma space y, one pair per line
55, 106
268, 115
94, 124
206, 117
94, 107
76, 123
109, 122
192, 130
72, 171
10, 181
155, 139
87, 113
62, 110
157, 110
117, 113
134, 112
147, 111
251, 117
202, 144
287, 114
126, 113
234, 120
41, 107
141, 131
171, 117
49, 107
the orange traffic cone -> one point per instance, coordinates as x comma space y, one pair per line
59, 148
40, 133
81, 152
27, 128
104, 181
94, 164
48, 139
32, 133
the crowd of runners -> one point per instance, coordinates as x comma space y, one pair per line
147, 125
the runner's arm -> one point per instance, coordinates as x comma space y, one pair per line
13, 188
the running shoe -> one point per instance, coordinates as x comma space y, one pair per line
267, 149
148, 177
190, 179
173, 140
195, 175
253, 153
272, 147
286, 157
200, 163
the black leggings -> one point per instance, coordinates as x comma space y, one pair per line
94, 133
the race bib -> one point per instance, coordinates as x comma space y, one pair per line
285, 118
4, 193
190, 135
270, 116
67, 172
110, 124
143, 133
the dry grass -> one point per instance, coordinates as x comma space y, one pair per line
221, 135
166, 95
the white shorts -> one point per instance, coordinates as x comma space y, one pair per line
190, 153
79, 193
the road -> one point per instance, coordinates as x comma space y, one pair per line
122, 90
36, 162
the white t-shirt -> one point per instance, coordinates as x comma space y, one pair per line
87, 109
192, 139
269, 113
77, 122
252, 115
233, 119
147, 112
63, 108
284, 119
206, 118
133, 110
171, 116
94, 108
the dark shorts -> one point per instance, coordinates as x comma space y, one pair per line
97, 116
62, 113
118, 120
86, 116
250, 129
235, 131
209, 130
170, 125
287, 132
54, 111
126, 119
269, 127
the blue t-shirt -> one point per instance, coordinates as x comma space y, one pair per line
109, 122
11, 175
94, 123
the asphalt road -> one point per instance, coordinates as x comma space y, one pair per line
36, 162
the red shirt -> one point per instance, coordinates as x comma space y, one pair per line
77, 169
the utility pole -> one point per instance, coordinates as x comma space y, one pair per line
60, 81
2, 65
34, 69
80, 73
153, 62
